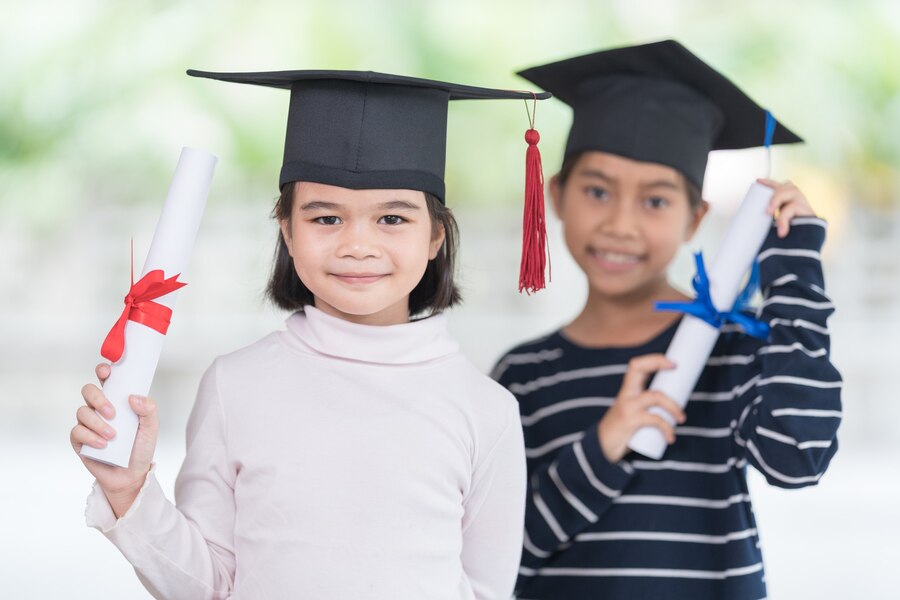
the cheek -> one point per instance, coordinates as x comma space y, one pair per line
306, 255
665, 238
413, 253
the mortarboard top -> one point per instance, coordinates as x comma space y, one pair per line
361, 129
655, 102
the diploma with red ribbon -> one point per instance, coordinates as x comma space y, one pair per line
134, 343
141, 308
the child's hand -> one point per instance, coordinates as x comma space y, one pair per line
629, 412
787, 202
120, 485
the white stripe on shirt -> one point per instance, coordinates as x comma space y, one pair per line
778, 474
788, 252
529, 545
665, 536
527, 387
825, 385
732, 359
545, 512
706, 432
785, 349
570, 497
817, 221
786, 439
559, 407
673, 573
736, 391
802, 323
791, 300
683, 501
525, 358
589, 473
553, 444
677, 465
806, 412
784, 279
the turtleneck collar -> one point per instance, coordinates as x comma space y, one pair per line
407, 343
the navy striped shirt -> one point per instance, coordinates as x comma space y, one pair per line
683, 526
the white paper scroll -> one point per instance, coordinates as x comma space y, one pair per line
170, 250
694, 339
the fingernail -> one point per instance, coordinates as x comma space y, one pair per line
107, 411
109, 432
138, 400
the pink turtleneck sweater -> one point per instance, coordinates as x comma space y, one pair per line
336, 460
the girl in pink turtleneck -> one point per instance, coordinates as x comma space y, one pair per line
356, 454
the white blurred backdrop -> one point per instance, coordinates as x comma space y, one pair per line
94, 108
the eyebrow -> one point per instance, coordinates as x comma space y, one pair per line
664, 183
398, 204
390, 205
320, 205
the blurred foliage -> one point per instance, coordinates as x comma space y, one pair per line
95, 106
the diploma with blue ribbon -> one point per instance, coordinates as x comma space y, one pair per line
720, 299
703, 308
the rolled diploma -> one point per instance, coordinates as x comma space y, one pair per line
170, 250
694, 339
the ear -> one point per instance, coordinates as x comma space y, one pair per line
437, 240
285, 225
697, 215
556, 191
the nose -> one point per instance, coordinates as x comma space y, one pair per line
358, 241
621, 221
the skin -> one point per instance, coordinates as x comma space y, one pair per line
623, 221
360, 252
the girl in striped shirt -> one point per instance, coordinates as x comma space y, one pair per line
605, 523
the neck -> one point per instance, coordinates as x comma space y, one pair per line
624, 320
393, 315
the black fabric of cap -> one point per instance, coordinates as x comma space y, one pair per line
655, 102
365, 130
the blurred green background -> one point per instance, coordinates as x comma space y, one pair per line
95, 106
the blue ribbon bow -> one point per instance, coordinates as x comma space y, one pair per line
703, 308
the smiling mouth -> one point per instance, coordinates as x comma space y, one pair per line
360, 278
616, 257
615, 260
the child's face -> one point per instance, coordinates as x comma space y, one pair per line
624, 221
360, 252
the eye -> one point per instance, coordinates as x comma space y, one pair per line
596, 192
329, 220
656, 203
391, 220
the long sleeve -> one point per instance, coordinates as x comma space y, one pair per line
185, 551
494, 507
788, 426
566, 496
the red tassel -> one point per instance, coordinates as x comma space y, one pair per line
534, 227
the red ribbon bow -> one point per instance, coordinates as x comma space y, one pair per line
140, 308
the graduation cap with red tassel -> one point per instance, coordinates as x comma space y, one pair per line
368, 130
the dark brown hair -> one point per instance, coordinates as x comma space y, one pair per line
434, 292
695, 198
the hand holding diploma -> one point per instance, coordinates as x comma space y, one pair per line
120, 485
629, 412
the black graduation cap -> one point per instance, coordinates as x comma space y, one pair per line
360, 129
657, 103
